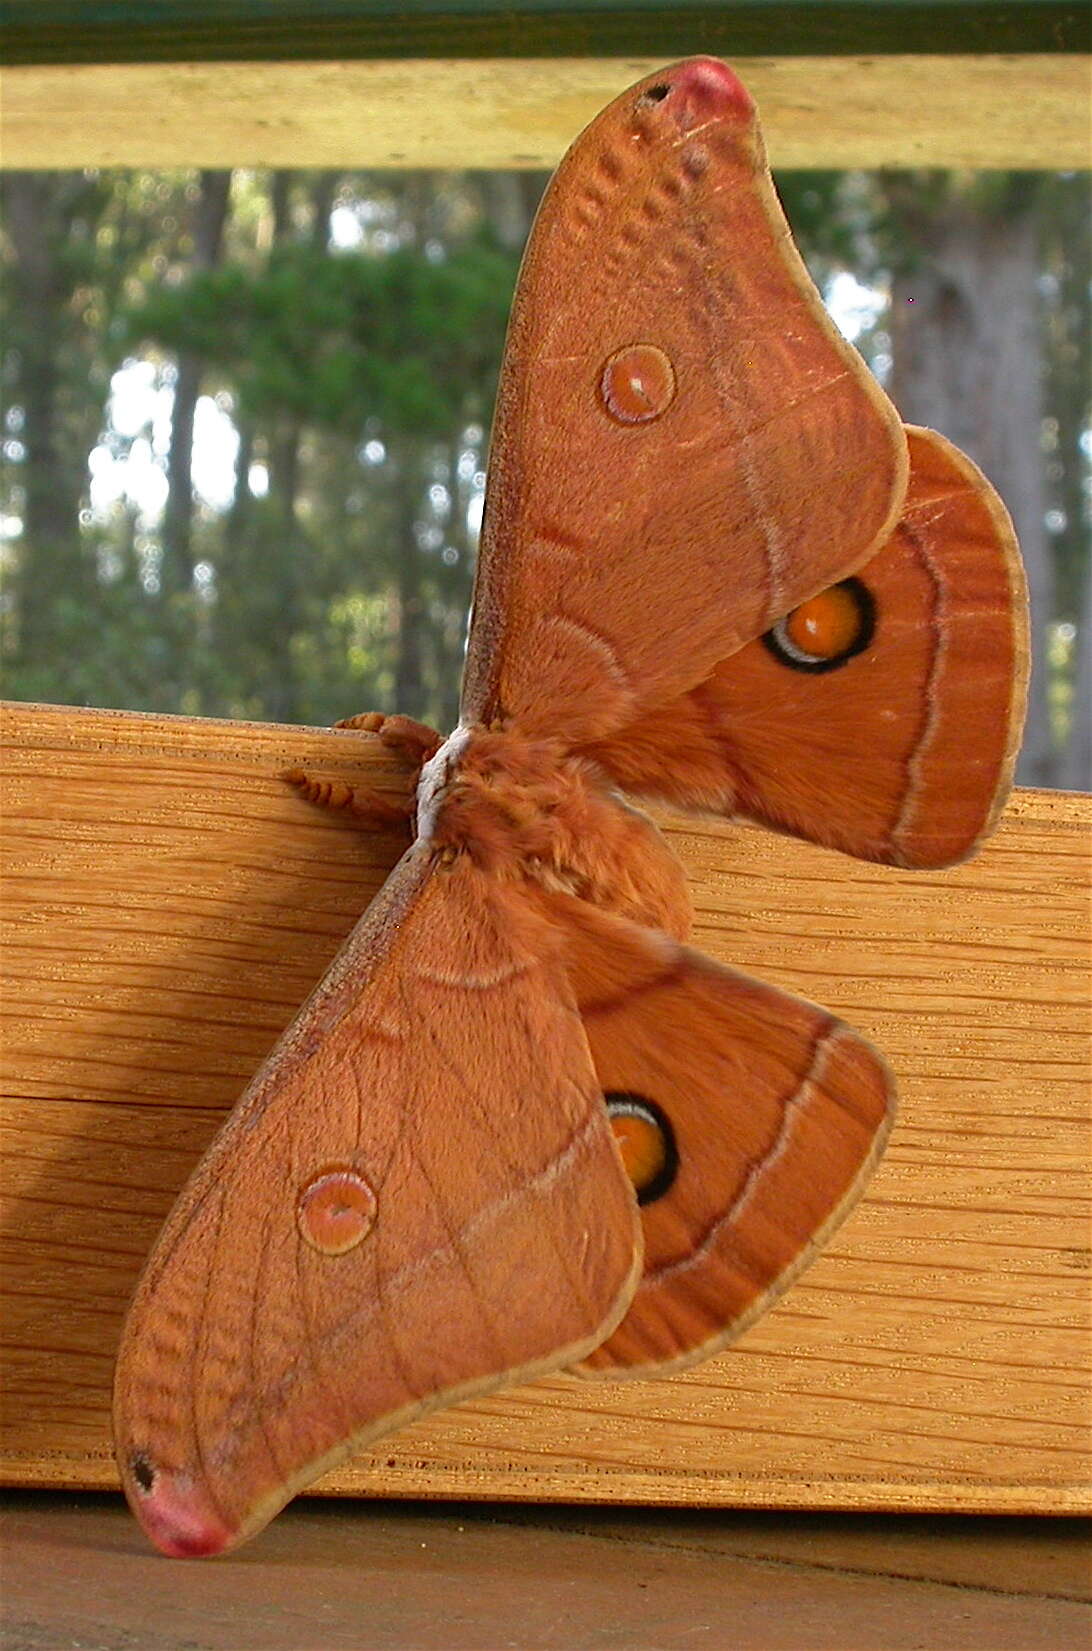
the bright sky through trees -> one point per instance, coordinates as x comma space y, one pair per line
139, 410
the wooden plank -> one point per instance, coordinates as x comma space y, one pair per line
169, 902
457, 1579
1027, 112
70, 31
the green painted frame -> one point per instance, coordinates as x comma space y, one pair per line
133, 31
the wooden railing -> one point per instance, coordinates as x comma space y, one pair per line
169, 901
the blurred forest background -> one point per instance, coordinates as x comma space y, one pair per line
246, 417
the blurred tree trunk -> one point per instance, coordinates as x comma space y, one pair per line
510, 201
238, 515
450, 630
409, 681
323, 189
408, 465
1077, 768
966, 348
284, 480
51, 567
288, 561
1064, 201
210, 216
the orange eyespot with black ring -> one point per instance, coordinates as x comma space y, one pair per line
827, 630
646, 1141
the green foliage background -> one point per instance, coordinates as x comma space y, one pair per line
359, 380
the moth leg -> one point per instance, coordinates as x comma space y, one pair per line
364, 804
370, 721
415, 741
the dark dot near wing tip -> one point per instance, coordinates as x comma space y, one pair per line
143, 1472
646, 1141
827, 630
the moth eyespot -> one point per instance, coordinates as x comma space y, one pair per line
646, 1141
143, 1472
637, 384
336, 1210
825, 631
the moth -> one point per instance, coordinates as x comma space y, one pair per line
521, 1125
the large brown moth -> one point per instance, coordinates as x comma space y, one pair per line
520, 1124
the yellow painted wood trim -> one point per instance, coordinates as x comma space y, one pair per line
168, 903
1026, 112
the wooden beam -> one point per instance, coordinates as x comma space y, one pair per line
168, 903
114, 31
1028, 112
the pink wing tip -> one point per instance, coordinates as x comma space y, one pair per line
180, 1521
712, 83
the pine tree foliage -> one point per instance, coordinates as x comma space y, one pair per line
324, 346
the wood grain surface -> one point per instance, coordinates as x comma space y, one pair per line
1027, 111
168, 903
